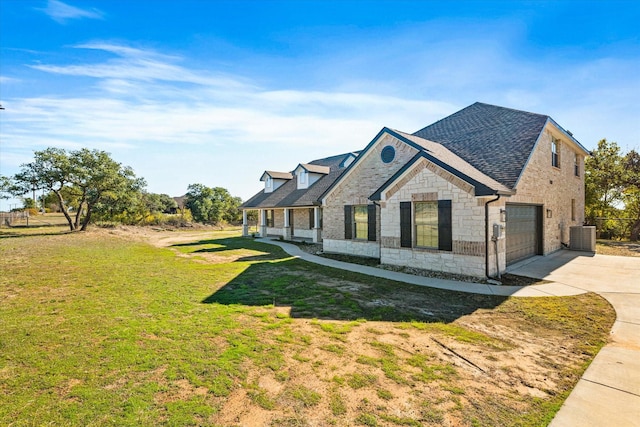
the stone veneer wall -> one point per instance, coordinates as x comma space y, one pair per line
352, 247
553, 188
428, 182
368, 175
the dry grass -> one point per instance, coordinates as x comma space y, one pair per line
617, 247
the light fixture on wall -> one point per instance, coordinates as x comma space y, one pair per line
549, 213
503, 215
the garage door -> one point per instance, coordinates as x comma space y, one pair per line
523, 232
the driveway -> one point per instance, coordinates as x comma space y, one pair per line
608, 394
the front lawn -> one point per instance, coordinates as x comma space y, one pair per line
209, 328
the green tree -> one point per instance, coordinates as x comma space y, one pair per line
86, 180
604, 184
211, 205
631, 195
5, 187
160, 203
28, 203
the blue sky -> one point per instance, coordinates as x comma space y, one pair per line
215, 92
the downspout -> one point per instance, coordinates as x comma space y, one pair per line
486, 236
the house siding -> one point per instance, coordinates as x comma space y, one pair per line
364, 179
553, 188
468, 254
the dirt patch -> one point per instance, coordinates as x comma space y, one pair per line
619, 248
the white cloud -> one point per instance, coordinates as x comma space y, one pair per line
177, 125
62, 12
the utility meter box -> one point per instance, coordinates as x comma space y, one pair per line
497, 231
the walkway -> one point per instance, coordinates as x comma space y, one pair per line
608, 394
545, 290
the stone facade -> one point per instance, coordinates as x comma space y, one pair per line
428, 182
362, 181
553, 188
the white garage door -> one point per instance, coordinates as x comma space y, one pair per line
523, 232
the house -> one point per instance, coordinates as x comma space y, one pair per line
470, 194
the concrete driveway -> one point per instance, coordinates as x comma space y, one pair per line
608, 394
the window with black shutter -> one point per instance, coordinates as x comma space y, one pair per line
348, 218
405, 224
371, 223
429, 227
445, 240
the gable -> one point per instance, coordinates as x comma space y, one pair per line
381, 159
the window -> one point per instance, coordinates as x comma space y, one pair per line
270, 218
302, 177
429, 227
426, 224
555, 160
576, 164
360, 222
573, 209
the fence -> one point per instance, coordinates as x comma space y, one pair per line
8, 219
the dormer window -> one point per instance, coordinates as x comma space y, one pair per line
302, 177
274, 180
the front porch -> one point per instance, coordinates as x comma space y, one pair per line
295, 223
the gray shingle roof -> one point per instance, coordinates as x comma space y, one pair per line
495, 140
288, 195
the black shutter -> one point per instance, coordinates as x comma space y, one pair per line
445, 241
371, 223
348, 233
311, 221
273, 218
405, 224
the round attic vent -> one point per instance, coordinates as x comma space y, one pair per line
388, 154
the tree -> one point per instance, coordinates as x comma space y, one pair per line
5, 187
603, 180
211, 205
28, 203
160, 203
631, 195
85, 180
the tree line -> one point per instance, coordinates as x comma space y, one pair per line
89, 186
612, 191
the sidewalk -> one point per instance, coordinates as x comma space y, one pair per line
608, 394
546, 290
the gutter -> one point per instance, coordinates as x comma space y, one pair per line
486, 235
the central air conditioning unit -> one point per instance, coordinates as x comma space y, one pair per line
582, 238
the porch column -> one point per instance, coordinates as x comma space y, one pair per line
263, 223
245, 224
317, 232
286, 232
